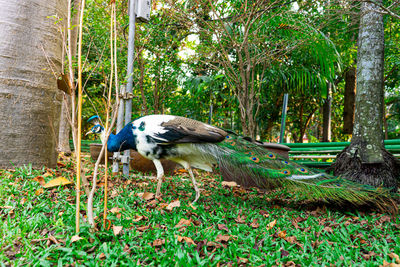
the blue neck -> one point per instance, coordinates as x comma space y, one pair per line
123, 140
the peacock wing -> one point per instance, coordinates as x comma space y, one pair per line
184, 130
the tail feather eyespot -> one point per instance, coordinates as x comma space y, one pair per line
255, 159
271, 156
302, 170
286, 172
285, 162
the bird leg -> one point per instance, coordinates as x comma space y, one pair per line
189, 169
160, 174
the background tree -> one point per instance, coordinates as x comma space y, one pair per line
366, 160
70, 33
30, 61
250, 41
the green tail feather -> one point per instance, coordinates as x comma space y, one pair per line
251, 165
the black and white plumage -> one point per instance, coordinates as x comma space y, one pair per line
175, 138
194, 144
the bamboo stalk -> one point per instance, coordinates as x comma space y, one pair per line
107, 113
79, 135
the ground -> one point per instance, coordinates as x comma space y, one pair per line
227, 226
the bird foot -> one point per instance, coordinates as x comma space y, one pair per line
197, 197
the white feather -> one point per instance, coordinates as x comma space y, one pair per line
305, 177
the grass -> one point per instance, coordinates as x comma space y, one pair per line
227, 226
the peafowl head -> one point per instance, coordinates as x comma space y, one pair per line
97, 129
122, 141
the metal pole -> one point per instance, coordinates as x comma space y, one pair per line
129, 85
120, 125
210, 113
283, 120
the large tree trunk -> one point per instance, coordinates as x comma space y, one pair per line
366, 160
349, 100
29, 99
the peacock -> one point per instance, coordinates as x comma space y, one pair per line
194, 144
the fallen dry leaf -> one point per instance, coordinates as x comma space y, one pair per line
143, 228
114, 193
242, 260
229, 184
174, 204
115, 210
183, 223
57, 182
254, 224
223, 227
117, 229
188, 240
102, 256
181, 171
215, 244
284, 253
127, 249
39, 191
158, 242
291, 239
52, 239
146, 195
294, 223
48, 173
60, 164
222, 238
383, 219
290, 264
22, 201
395, 257
282, 234
137, 218
40, 180
240, 219
389, 264
75, 238
369, 255
271, 225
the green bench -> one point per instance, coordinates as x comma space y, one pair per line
322, 155
85, 145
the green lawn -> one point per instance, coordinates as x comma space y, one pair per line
227, 226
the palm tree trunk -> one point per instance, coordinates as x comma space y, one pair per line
349, 100
30, 60
327, 117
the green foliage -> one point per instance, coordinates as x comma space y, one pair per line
188, 60
259, 228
